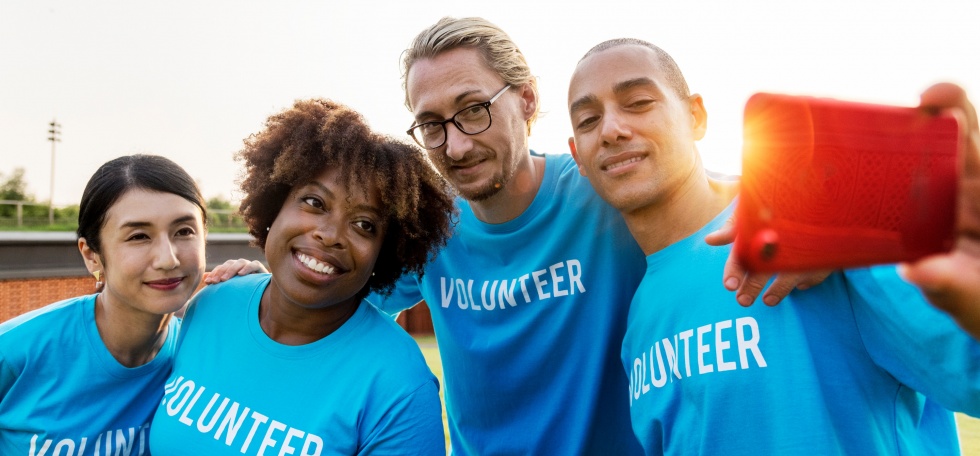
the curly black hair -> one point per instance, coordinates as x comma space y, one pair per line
301, 142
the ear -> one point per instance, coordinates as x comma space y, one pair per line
529, 101
699, 116
93, 261
571, 148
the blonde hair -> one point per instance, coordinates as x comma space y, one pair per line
499, 52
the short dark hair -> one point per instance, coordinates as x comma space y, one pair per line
119, 175
317, 134
672, 72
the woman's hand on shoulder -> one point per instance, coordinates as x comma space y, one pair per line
232, 268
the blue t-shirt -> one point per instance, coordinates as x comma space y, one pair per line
860, 364
529, 316
62, 392
364, 389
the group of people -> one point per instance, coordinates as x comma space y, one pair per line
576, 304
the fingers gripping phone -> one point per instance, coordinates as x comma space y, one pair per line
832, 184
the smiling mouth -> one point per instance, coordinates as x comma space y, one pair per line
315, 265
165, 284
613, 166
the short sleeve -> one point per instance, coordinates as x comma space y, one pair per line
413, 426
405, 295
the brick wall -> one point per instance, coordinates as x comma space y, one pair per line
18, 296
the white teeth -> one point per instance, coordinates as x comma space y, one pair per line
315, 265
622, 163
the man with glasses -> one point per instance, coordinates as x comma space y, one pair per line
529, 298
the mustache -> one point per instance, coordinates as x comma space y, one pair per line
470, 157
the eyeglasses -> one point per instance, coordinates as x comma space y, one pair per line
470, 120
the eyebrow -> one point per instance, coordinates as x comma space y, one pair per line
143, 224
456, 101
619, 88
361, 207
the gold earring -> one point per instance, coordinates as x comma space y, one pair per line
98, 280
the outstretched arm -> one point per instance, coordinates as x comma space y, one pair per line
951, 281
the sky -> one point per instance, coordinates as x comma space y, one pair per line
190, 80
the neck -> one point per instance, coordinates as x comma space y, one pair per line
681, 212
132, 337
292, 324
516, 196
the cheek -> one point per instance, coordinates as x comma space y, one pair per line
368, 252
123, 265
193, 252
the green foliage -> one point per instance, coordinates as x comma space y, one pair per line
223, 216
220, 203
14, 188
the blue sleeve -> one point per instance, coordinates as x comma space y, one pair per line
7, 377
405, 295
413, 426
916, 343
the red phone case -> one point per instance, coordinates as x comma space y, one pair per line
831, 184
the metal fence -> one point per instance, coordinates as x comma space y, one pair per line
27, 215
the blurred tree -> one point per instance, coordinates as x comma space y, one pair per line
222, 213
14, 188
219, 203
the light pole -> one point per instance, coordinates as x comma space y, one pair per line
53, 135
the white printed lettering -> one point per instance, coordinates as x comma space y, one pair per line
557, 279
483, 295
540, 284
257, 419
446, 297
231, 424
183, 416
702, 350
186, 387
686, 337
747, 340
268, 441
575, 276
206, 428
292, 432
750, 344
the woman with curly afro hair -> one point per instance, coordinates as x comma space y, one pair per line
297, 362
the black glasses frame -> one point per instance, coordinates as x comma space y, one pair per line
445, 133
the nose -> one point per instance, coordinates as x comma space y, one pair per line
457, 142
613, 128
165, 255
330, 233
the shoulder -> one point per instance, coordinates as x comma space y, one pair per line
51, 327
564, 166
61, 313
231, 290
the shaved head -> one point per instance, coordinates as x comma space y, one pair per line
672, 73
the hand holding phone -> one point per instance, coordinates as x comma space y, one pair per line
832, 184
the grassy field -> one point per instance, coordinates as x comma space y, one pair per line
969, 426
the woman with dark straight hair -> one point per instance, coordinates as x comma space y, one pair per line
84, 375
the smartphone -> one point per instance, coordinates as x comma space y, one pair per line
829, 184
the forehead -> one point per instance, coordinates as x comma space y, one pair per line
356, 191
148, 206
447, 79
599, 73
